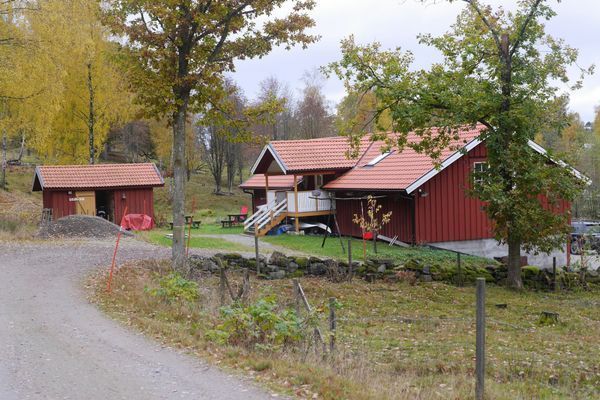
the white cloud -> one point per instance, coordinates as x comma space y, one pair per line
396, 23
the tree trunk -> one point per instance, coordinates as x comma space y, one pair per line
179, 177
91, 114
375, 242
3, 175
514, 263
22, 149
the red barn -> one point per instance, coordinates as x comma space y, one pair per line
102, 189
429, 205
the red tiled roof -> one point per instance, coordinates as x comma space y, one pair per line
316, 154
275, 182
398, 170
96, 176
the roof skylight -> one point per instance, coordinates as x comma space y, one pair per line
378, 158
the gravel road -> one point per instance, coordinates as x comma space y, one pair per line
55, 345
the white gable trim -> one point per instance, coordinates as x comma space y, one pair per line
470, 146
278, 160
447, 162
38, 176
574, 171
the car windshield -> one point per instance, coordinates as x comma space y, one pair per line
585, 228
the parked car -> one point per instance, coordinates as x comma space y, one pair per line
585, 234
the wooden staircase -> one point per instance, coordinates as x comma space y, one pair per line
266, 218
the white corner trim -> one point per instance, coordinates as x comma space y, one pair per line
447, 162
278, 160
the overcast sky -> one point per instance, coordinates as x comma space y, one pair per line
397, 23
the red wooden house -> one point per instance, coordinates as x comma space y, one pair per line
429, 205
101, 188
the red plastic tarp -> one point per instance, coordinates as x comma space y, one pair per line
137, 222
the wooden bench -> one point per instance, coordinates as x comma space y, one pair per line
226, 223
195, 225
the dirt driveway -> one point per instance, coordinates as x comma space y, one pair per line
55, 345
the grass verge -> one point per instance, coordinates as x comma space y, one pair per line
394, 341
312, 245
197, 242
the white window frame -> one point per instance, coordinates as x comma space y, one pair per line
318, 181
476, 166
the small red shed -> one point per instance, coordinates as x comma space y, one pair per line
101, 189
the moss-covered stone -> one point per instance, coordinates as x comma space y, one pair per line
231, 256
297, 274
302, 262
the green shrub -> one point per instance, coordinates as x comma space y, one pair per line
259, 325
174, 287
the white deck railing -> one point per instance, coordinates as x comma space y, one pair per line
308, 202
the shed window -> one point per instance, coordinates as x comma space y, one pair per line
479, 168
378, 158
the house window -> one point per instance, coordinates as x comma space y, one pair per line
479, 168
318, 181
378, 158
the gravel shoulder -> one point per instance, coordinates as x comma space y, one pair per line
55, 345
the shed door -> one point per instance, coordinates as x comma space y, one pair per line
86, 203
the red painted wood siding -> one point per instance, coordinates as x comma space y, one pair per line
59, 203
259, 198
137, 201
447, 212
400, 223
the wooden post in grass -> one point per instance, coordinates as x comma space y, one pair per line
332, 325
480, 340
296, 296
245, 292
256, 249
114, 259
222, 284
554, 274
458, 270
350, 268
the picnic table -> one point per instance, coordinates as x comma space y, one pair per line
233, 220
189, 220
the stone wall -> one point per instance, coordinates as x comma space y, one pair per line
280, 266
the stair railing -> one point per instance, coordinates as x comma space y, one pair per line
250, 222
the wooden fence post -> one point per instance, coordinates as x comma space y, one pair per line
297, 296
350, 268
256, 249
480, 340
554, 274
332, 324
459, 270
245, 286
222, 284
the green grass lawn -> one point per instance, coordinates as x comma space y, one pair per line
158, 236
312, 245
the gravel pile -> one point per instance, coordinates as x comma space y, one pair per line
80, 226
